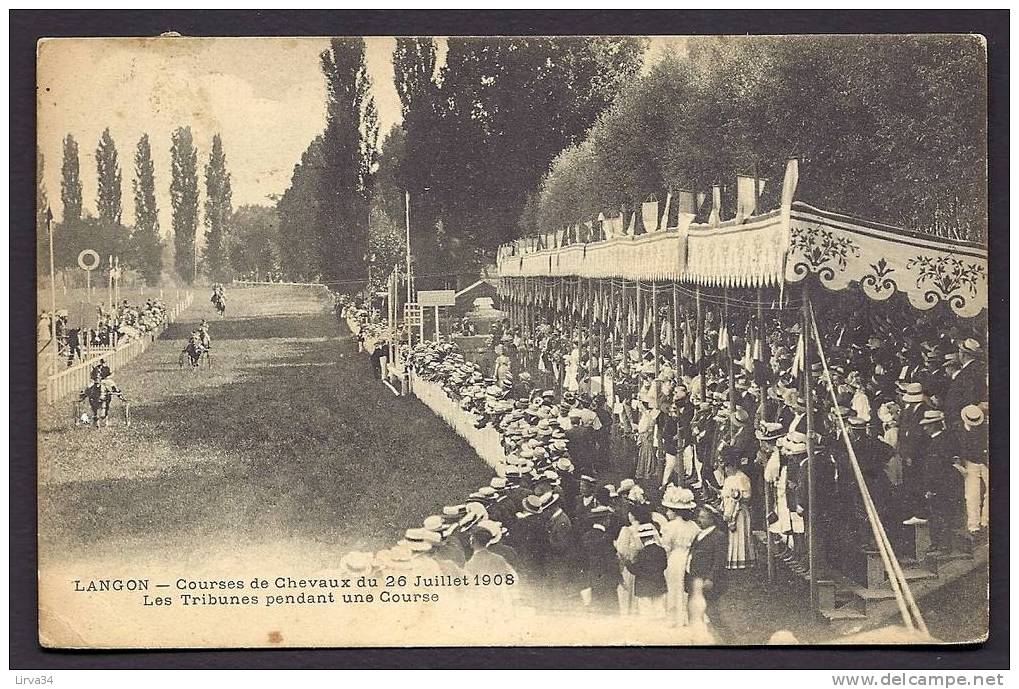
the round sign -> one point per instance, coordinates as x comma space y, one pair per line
88, 260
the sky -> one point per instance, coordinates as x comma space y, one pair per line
265, 97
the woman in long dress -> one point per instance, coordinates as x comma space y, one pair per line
678, 534
503, 366
736, 510
645, 442
627, 544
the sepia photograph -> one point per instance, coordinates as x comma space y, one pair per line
514, 341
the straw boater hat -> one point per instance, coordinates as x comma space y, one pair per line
769, 431
495, 528
933, 416
357, 562
534, 504
678, 498
970, 346
972, 415
913, 393
648, 533
419, 540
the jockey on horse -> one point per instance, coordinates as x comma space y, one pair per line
219, 298
203, 335
194, 348
99, 394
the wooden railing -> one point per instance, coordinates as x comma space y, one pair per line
74, 379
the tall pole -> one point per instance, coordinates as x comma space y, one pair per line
809, 402
53, 289
407, 217
728, 365
762, 383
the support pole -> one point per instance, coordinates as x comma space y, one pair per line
675, 328
762, 382
601, 333
436, 323
53, 293
699, 340
654, 327
809, 402
728, 363
640, 324
407, 227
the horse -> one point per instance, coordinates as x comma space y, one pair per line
219, 301
99, 395
193, 354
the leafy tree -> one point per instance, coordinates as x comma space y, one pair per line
42, 207
508, 107
386, 247
184, 201
110, 186
876, 121
254, 233
298, 211
146, 240
218, 209
70, 181
349, 147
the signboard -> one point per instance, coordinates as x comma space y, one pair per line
437, 297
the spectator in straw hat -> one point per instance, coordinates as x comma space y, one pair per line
968, 384
972, 444
648, 569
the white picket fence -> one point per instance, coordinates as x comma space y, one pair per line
74, 379
256, 283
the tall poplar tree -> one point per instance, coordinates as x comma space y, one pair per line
350, 145
110, 188
148, 245
184, 200
70, 181
218, 209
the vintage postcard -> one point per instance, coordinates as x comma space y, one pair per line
512, 341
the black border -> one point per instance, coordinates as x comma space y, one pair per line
27, 26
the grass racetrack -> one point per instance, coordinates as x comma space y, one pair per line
288, 445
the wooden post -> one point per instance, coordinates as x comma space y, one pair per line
601, 334
728, 362
698, 338
762, 382
675, 327
808, 401
640, 324
654, 327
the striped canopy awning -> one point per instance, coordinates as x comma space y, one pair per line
783, 246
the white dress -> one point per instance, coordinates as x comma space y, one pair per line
736, 509
677, 537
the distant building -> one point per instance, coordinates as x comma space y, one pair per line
482, 288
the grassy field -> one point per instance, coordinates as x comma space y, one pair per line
286, 443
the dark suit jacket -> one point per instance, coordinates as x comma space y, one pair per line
968, 387
708, 557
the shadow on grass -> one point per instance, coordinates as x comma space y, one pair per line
315, 449
256, 328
